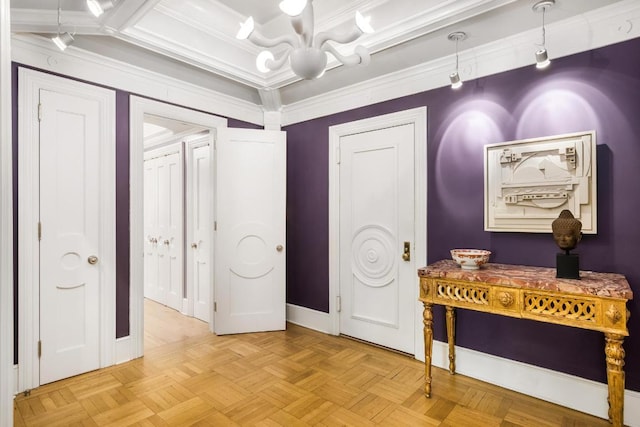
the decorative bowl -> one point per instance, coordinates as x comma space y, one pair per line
470, 259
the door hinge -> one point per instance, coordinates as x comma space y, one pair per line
215, 307
215, 225
39, 230
39, 349
338, 155
39, 112
339, 303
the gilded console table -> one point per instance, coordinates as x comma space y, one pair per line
597, 302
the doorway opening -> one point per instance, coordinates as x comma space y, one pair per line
163, 125
177, 235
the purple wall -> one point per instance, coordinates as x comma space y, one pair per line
122, 214
597, 90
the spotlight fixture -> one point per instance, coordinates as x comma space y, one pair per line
98, 7
455, 76
307, 53
542, 56
62, 40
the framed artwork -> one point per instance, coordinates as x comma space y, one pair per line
528, 183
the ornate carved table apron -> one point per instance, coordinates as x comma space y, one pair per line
596, 302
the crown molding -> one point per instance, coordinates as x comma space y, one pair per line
126, 14
601, 27
77, 63
46, 21
270, 99
183, 51
421, 21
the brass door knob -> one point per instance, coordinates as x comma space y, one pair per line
279, 248
194, 246
406, 254
92, 260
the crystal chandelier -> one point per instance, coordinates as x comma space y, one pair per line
307, 53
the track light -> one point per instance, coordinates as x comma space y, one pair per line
542, 56
62, 40
455, 80
455, 76
98, 7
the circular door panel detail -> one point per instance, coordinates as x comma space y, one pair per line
373, 255
70, 261
252, 257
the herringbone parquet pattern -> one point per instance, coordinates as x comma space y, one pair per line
297, 377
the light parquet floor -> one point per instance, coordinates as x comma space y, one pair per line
297, 377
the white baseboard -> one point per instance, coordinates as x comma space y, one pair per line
15, 379
312, 319
556, 387
123, 349
566, 390
185, 307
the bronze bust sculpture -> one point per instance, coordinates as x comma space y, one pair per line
567, 233
566, 230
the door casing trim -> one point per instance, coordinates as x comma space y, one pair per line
417, 117
30, 83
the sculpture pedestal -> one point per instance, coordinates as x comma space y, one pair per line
568, 266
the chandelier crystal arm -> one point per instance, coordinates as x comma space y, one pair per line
303, 25
277, 63
260, 40
361, 26
360, 56
325, 36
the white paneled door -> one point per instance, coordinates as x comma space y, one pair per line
152, 288
377, 270
70, 235
250, 238
163, 213
199, 226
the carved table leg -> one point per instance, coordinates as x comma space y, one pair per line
615, 377
451, 338
428, 346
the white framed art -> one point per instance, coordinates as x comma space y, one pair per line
527, 183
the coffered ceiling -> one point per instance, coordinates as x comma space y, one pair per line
194, 40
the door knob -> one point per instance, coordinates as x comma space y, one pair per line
406, 255
92, 260
166, 242
279, 248
194, 245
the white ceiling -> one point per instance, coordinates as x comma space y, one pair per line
194, 40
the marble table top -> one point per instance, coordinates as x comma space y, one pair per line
606, 285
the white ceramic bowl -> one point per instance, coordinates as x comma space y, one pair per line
470, 259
